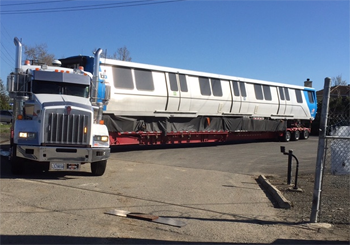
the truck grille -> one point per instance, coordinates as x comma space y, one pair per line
67, 129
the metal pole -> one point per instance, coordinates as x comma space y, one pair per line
289, 174
296, 173
320, 152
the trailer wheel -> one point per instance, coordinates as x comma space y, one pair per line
305, 135
286, 136
16, 163
296, 135
98, 168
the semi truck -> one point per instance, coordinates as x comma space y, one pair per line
57, 120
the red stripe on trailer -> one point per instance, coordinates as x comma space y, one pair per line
158, 138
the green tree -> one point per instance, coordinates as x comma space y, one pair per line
4, 98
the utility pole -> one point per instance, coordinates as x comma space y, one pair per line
320, 152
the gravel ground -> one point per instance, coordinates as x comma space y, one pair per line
335, 199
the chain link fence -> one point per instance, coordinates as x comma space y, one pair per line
335, 195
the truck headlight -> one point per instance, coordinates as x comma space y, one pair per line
26, 135
102, 138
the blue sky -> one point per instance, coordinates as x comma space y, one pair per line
279, 41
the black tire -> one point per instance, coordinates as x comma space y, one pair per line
16, 163
98, 168
286, 136
296, 135
305, 135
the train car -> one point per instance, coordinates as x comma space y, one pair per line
161, 105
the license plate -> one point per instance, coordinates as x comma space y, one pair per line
57, 166
64, 166
73, 166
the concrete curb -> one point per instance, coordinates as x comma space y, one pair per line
275, 193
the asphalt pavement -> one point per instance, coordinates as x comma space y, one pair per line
197, 186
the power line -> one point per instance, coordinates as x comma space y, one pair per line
83, 7
3, 48
89, 7
6, 61
7, 33
31, 3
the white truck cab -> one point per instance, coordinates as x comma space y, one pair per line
57, 121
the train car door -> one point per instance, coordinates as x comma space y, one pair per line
185, 93
289, 102
236, 98
282, 101
174, 92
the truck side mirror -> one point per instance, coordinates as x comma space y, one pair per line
107, 93
11, 83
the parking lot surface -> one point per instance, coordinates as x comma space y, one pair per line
211, 188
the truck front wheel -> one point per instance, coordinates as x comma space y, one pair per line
16, 164
98, 168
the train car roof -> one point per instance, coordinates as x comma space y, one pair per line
105, 61
113, 62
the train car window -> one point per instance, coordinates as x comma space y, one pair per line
235, 88
267, 92
311, 97
243, 92
286, 92
183, 83
204, 86
216, 87
173, 82
144, 80
298, 95
281, 93
258, 92
122, 78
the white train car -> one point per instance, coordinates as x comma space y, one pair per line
161, 105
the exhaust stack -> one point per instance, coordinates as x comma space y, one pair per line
18, 64
95, 77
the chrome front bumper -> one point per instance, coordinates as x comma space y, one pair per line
62, 154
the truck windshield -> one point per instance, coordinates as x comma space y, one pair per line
47, 87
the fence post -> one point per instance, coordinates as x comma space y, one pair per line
320, 152
289, 174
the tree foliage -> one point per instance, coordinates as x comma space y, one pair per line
338, 81
38, 54
121, 54
4, 98
338, 109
